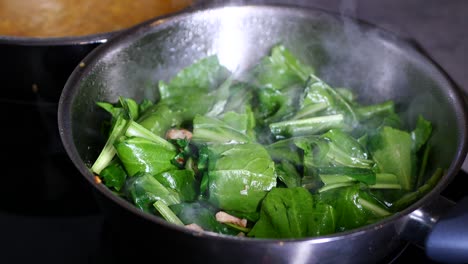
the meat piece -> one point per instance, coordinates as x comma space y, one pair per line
224, 217
194, 227
178, 134
97, 179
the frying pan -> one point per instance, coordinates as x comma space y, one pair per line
347, 53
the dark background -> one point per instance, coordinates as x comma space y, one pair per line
67, 226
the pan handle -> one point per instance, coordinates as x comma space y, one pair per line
447, 242
440, 228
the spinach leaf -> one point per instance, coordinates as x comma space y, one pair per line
348, 144
114, 175
315, 99
319, 91
128, 107
240, 98
293, 213
288, 174
136, 130
181, 181
280, 70
143, 155
144, 190
208, 129
144, 105
349, 211
421, 134
276, 105
334, 149
200, 77
186, 95
285, 149
159, 118
391, 150
114, 110
244, 123
239, 176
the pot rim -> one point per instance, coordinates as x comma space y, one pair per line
57, 41
96, 38
156, 24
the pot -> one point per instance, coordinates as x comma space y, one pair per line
376, 63
34, 71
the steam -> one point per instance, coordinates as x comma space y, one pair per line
349, 52
357, 59
362, 57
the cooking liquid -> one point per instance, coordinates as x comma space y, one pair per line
60, 18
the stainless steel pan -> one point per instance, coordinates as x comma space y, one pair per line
348, 53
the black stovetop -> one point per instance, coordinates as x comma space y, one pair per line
48, 213
47, 217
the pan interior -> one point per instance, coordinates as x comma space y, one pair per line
375, 64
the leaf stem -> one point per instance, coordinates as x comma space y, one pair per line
167, 213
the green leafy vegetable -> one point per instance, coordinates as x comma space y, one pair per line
280, 70
144, 190
142, 155
181, 181
293, 213
114, 175
239, 176
276, 153
391, 150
